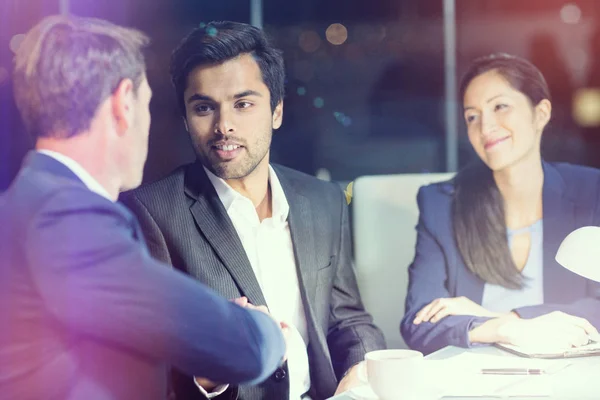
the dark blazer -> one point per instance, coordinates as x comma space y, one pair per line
571, 199
187, 226
86, 313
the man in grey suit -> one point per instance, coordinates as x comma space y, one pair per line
85, 311
256, 232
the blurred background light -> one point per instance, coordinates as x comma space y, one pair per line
336, 34
16, 41
309, 41
586, 107
570, 13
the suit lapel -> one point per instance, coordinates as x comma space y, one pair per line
302, 229
303, 242
301, 225
214, 223
559, 220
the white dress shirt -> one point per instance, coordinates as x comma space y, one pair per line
268, 245
87, 179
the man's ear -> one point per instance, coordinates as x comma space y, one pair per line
123, 106
187, 128
278, 115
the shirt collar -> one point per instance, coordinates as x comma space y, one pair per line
228, 195
87, 179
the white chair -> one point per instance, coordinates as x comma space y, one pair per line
385, 214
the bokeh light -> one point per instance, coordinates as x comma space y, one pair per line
211, 31
570, 13
16, 41
336, 34
309, 41
342, 118
318, 102
586, 107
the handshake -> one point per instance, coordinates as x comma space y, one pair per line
243, 302
210, 386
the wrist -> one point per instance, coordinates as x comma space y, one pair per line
493, 330
352, 370
206, 384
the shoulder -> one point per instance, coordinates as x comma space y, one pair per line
307, 185
578, 182
162, 189
436, 193
39, 190
577, 175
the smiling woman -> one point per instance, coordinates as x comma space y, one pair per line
484, 269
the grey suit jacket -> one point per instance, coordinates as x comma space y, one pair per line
186, 225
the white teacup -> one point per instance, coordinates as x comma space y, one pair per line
396, 374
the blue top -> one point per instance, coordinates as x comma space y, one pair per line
570, 200
500, 299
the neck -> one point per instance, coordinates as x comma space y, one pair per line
90, 155
521, 187
255, 186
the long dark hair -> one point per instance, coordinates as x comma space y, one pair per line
478, 207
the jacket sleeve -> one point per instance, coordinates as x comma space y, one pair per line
351, 329
98, 280
427, 280
588, 307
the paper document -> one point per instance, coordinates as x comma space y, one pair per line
592, 349
461, 376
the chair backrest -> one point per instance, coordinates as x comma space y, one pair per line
385, 214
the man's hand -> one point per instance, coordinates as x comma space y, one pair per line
206, 384
351, 379
209, 385
440, 308
243, 302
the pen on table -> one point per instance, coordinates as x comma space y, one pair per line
512, 371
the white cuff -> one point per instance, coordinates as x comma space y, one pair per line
217, 391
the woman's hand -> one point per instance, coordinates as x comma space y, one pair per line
555, 330
440, 308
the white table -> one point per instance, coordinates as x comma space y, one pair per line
580, 381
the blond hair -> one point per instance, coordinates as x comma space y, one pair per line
67, 66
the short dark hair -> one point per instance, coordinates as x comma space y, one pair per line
478, 207
217, 42
66, 66
519, 72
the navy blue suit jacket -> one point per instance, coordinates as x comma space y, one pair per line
86, 313
571, 199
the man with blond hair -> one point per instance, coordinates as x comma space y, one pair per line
85, 312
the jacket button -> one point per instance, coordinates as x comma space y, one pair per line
279, 374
